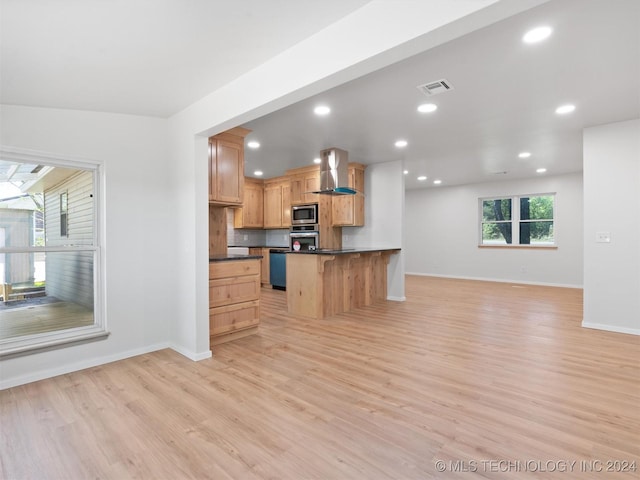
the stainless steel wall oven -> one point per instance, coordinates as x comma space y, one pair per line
304, 237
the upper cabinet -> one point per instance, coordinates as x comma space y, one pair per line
251, 214
303, 181
277, 203
226, 167
348, 210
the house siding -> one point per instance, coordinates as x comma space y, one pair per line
69, 275
16, 226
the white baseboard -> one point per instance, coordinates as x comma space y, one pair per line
195, 356
499, 280
611, 328
74, 367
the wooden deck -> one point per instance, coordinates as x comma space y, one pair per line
463, 372
50, 317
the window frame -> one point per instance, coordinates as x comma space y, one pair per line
64, 214
516, 221
44, 341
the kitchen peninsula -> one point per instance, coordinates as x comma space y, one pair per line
327, 282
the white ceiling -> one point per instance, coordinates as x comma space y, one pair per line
503, 102
157, 57
144, 57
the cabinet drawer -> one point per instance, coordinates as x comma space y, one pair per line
227, 291
234, 268
233, 317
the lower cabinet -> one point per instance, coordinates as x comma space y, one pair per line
264, 263
266, 280
234, 299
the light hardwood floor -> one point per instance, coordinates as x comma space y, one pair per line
498, 378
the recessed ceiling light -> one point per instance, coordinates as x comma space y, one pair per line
536, 35
422, 178
427, 107
524, 154
406, 172
322, 110
437, 182
564, 109
258, 173
317, 160
401, 143
541, 170
253, 144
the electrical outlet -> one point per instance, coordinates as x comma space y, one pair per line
603, 237
246, 237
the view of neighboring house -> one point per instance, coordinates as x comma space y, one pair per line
68, 219
21, 225
16, 228
44, 210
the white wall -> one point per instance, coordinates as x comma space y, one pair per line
442, 234
384, 213
156, 188
140, 222
329, 58
612, 204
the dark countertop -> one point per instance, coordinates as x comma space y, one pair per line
260, 246
227, 258
344, 251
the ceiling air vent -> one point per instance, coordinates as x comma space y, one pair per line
434, 88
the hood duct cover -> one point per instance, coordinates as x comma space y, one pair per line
334, 172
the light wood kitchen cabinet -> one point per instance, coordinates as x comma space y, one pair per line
264, 263
265, 272
226, 167
251, 214
304, 180
234, 299
277, 204
348, 210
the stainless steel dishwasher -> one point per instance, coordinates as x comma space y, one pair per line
278, 268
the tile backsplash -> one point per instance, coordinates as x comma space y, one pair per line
255, 237
278, 238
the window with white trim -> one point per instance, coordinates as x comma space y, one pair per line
517, 220
50, 252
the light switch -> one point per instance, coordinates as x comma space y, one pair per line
603, 237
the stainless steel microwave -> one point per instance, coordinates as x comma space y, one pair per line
304, 214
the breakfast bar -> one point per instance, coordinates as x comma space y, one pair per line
322, 283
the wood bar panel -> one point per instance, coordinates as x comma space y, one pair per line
321, 285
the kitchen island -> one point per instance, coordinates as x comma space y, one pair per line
322, 283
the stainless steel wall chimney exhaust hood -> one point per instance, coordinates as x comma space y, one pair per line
334, 172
